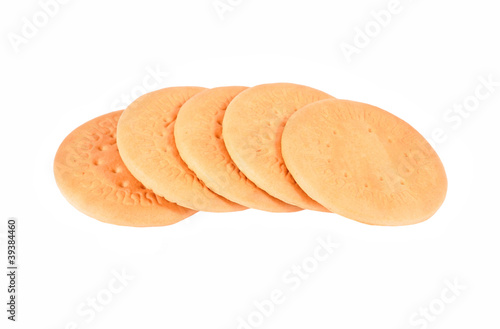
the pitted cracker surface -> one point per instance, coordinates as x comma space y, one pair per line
364, 163
92, 176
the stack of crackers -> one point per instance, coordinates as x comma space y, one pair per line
277, 147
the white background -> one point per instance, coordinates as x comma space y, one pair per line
208, 271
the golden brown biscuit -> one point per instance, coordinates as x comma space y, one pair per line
198, 137
93, 178
363, 163
252, 129
147, 146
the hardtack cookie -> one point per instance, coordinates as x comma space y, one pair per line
147, 146
199, 139
93, 178
363, 163
252, 129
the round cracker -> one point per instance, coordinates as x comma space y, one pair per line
364, 163
252, 129
198, 137
93, 178
147, 146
